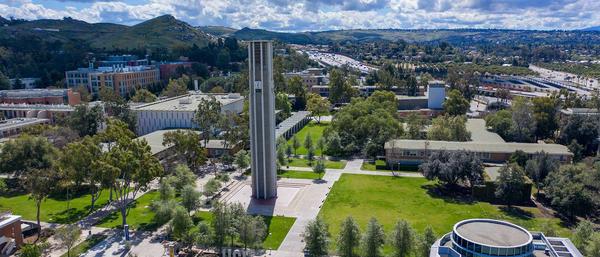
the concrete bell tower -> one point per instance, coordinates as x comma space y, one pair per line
262, 119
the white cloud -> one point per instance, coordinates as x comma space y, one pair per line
300, 15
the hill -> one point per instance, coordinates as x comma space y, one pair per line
219, 31
161, 32
258, 34
595, 28
3, 21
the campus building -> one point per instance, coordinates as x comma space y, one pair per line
178, 112
414, 152
262, 119
168, 70
51, 112
429, 104
14, 127
123, 60
11, 237
124, 80
26, 83
488, 238
40, 96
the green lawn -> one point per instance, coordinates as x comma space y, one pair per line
277, 228
299, 162
85, 245
140, 215
56, 208
392, 198
300, 174
316, 132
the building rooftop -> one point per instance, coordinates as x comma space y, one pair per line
290, 122
155, 141
10, 124
493, 233
7, 218
498, 147
25, 93
187, 102
479, 132
49, 107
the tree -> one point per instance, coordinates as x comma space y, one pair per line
187, 147
593, 247
252, 230
317, 106
415, 125
449, 128
295, 144
456, 104
281, 160
567, 192
282, 103
86, 120
182, 177
67, 236
220, 224
583, 234
40, 182
402, 239
82, 163
319, 166
539, 168
321, 145
177, 87
181, 222
510, 184
519, 157
426, 241
576, 149
500, 122
132, 167
297, 88
348, 238
453, 168
308, 143
523, 122
143, 96
242, 159
288, 151
310, 155
190, 198
32, 250
211, 187
545, 112
373, 239
26, 152
316, 236
207, 117
4, 82
580, 128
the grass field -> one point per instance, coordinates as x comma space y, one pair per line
140, 215
392, 198
300, 174
277, 228
56, 208
316, 132
85, 245
299, 162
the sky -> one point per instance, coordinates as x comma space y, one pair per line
316, 15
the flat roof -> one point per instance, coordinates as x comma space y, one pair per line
7, 219
41, 107
479, 132
187, 102
491, 147
14, 123
155, 141
290, 122
493, 233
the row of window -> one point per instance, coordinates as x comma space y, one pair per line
460, 244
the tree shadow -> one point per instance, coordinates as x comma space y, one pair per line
455, 195
516, 212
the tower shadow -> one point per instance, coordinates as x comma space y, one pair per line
265, 207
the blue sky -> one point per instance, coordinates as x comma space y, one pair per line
304, 15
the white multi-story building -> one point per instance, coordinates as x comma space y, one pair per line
178, 112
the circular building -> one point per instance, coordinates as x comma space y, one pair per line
485, 237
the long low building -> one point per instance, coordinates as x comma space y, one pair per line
414, 152
178, 112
